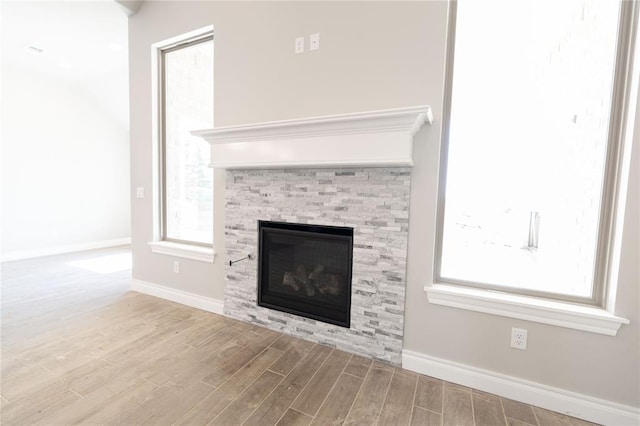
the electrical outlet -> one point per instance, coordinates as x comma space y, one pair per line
519, 338
314, 41
176, 266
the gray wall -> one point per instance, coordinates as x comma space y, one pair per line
372, 56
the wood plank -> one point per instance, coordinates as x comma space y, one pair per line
358, 366
513, 422
14, 361
518, 411
89, 405
109, 341
114, 409
579, 422
178, 403
549, 418
205, 333
240, 409
167, 332
115, 378
23, 379
213, 404
296, 351
31, 412
294, 418
368, 404
487, 410
253, 333
279, 401
217, 375
429, 394
422, 417
156, 400
399, 402
457, 409
38, 390
198, 369
200, 361
284, 342
335, 408
173, 364
320, 385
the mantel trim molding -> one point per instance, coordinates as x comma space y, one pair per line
367, 139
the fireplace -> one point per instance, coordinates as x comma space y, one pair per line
306, 270
349, 170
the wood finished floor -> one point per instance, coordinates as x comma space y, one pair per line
79, 348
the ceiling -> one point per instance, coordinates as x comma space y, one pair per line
79, 39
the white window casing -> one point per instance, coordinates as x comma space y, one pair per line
160, 245
597, 316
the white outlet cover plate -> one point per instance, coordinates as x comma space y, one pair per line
314, 41
519, 338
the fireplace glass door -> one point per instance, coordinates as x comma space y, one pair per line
306, 270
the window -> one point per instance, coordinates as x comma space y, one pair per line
187, 103
182, 98
535, 105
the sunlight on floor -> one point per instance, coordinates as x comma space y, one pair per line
105, 264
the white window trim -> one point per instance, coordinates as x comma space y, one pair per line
157, 245
187, 251
545, 311
595, 319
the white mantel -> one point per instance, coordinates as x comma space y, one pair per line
367, 139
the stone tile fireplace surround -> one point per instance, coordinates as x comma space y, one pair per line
350, 170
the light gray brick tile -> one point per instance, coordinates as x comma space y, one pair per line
375, 202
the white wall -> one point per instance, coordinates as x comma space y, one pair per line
373, 55
65, 165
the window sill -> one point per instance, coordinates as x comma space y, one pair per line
187, 251
578, 317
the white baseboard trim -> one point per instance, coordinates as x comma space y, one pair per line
559, 400
68, 248
208, 304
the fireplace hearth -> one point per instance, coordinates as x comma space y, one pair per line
306, 270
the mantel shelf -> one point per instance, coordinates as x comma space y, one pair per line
368, 139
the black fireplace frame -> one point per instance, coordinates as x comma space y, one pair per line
328, 315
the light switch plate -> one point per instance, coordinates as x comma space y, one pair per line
299, 46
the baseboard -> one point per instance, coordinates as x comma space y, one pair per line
208, 304
68, 248
559, 400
